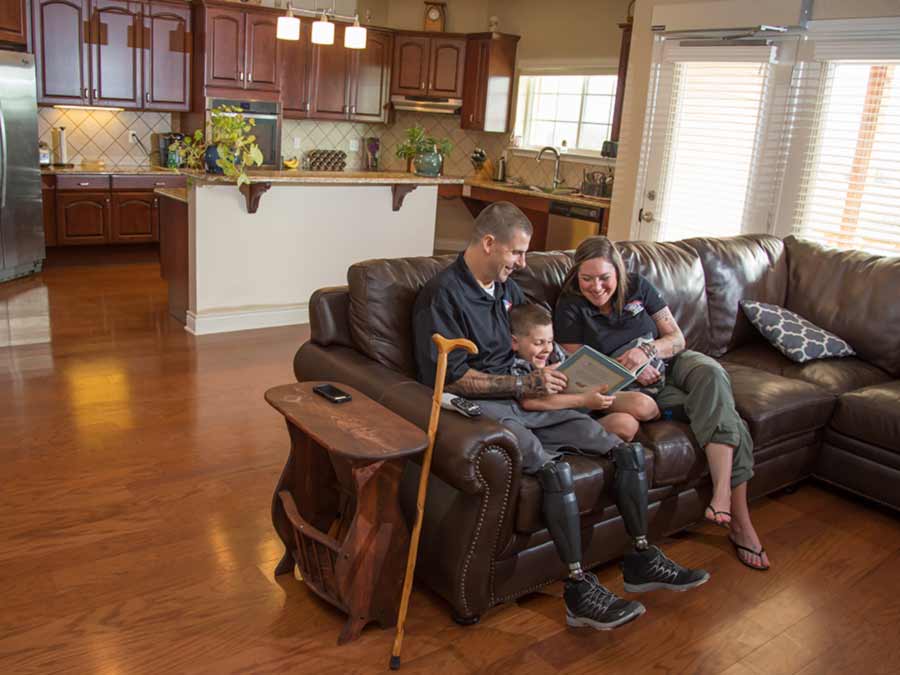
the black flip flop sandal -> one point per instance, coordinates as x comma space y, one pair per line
738, 548
715, 513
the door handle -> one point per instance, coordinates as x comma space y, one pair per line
241, 76
3, 156
352, 109
95, 94
85, 93
249, 77
84, 183
147, 97
307, 106
645, 216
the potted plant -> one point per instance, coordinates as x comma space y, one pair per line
425, 153
233, 148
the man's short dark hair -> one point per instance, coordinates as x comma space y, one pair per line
522, 318
501, 220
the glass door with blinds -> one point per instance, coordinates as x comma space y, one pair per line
710, 159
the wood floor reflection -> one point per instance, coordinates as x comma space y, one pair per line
137, 464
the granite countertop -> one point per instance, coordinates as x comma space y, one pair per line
333, 178
178, 194
122, 171
577, 199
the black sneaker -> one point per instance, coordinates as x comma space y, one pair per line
651, 570
588, 603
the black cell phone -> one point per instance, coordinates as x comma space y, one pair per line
332, 393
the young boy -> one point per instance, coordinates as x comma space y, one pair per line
532, 340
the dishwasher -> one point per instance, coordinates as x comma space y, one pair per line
570, 224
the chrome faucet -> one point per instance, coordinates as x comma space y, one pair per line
557, 181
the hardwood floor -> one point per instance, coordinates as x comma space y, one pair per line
137, 465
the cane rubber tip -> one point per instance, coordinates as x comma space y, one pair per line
395, 663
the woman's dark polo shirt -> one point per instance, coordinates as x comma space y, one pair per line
577, 321
455, 305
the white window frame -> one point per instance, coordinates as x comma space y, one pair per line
540, 67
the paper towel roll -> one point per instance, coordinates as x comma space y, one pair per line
62, 149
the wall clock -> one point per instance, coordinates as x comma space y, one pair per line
435, 16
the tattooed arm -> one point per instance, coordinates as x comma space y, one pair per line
475, 384
671, 339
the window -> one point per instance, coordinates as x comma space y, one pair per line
565, 110
849, 194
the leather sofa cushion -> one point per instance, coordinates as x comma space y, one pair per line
835, 376
329, 317
871, 414
382, 294
777, 407
675, 269
593, 487
752, 267
674, 451
850, 293
542, 278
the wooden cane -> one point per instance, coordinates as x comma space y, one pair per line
444, 347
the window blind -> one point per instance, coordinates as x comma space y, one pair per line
847, 127
712, 158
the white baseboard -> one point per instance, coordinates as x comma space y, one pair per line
226, 322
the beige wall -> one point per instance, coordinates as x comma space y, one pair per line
622, 213
463, 16
577, 29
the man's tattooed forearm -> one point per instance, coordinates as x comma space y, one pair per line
475, 384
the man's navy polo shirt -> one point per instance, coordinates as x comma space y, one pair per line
455, 305
577, 321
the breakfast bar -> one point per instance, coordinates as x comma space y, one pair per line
251, 258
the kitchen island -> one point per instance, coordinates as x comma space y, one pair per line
251, 258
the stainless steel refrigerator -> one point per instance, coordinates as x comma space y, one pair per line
21, 216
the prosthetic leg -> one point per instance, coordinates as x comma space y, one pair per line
561, 514
631, 491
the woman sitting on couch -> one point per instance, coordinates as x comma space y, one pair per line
623, 315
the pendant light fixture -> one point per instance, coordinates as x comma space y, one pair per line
355, 35
288, 25
323, 31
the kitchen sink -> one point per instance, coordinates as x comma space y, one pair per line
542, 188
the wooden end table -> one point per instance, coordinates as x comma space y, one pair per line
336, 506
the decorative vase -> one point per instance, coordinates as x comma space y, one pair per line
210, 157
428, 164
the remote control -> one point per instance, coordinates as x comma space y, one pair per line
461, 405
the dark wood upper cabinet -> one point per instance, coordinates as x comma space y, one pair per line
116, 36
262, 52
167, 57
296, 66
487, 91
225, 47
410, 73
370, 78
331, 79
13, 24
61, 33
446, 67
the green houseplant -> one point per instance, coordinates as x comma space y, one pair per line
235, 147
426, 152
191, 150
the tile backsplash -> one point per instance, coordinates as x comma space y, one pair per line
103, 134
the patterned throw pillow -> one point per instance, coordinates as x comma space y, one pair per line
792, 335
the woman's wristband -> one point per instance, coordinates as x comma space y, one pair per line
649, 350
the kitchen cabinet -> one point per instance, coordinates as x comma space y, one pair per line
115, 53
428, 66
13, 23
351, 84
61, 35
134, 217
487, 93
82, 217
296, 69
241, 50
167, 57
121, 53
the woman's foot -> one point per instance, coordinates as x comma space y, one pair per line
718, 512
748, 547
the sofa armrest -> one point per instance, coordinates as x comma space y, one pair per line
460, 440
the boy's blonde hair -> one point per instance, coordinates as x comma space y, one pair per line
522, 318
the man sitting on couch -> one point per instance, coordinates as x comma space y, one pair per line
471, 298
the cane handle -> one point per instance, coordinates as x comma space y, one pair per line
445, 346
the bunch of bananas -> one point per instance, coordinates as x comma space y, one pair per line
291, 163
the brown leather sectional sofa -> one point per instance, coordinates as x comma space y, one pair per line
484, 541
